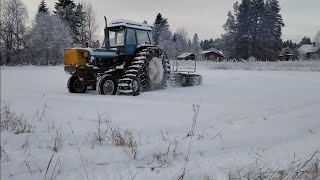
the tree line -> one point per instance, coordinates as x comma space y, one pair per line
43, 44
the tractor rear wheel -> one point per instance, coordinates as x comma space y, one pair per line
151, 66
107, 85
76, 85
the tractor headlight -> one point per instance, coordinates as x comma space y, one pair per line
92, 59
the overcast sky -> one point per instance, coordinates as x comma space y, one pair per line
204, 17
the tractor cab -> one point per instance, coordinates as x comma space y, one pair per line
126, 36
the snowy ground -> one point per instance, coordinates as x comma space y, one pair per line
246, 117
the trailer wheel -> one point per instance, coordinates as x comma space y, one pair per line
107, 85
76, 85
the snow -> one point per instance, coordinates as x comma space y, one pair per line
131, 24
212, 50
268, 113
184, 55
307, 48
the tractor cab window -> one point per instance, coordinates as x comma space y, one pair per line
150, 36
131, 36
116, 37
143, 37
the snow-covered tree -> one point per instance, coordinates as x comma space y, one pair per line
180, 41
195, 48
81, 36
189, 45
162, 36
47, 40
160, 27
91, 24
13, 19
66, 10
166, 43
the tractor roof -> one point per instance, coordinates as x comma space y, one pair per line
131, 24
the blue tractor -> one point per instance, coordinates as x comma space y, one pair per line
128, 63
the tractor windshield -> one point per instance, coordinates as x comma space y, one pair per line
116, 37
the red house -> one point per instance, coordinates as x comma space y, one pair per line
213, 55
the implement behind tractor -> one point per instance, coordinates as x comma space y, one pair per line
128, 63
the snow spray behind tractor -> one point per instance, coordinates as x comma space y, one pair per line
128, 63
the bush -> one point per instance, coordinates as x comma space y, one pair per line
10, 121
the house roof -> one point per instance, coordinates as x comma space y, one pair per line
212, 50
132, 24
288, 52
307, 48
184, 55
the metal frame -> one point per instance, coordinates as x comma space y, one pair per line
175, 67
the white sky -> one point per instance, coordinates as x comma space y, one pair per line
204, 17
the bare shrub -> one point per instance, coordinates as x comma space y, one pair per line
196, 109
41, 115
303, 169
57, 142
10, 121
26, 146
206, 177
4, 157
107, 133
32, 166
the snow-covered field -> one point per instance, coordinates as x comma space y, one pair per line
246, 119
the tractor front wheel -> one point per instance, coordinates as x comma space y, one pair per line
107, 85
76, 85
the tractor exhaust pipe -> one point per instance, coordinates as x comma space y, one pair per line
106, 34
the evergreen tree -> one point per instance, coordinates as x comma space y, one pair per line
166, 43
195, 48
81, 36
205, 45
180, 42
305, 40
273, 26
189, 45
162, 36
66, 10
42, 8
242, 36
254, 29
289, 44
160, 25
229, 38
257, 15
